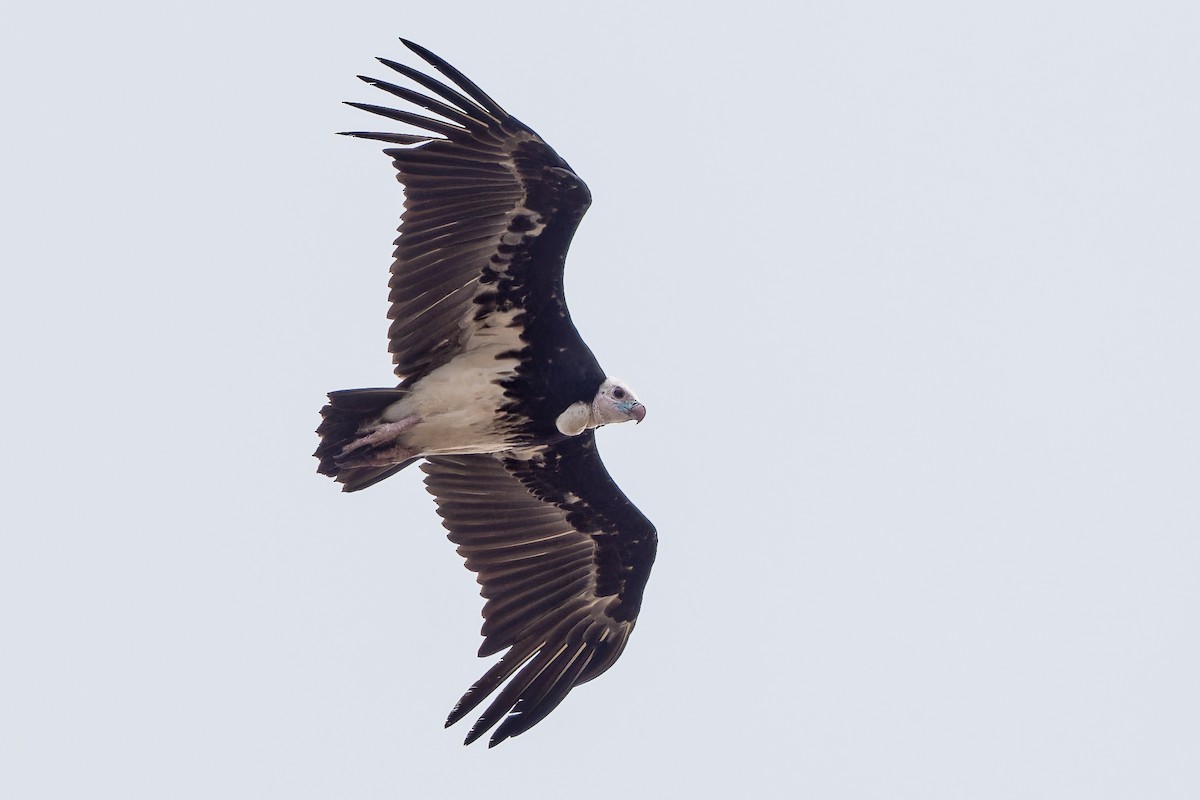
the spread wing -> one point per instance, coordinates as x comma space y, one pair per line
490, 210
562, 556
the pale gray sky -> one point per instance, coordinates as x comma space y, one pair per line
910, 290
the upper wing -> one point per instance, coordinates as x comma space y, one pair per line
562, 556
490, 210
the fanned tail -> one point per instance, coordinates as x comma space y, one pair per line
341, 420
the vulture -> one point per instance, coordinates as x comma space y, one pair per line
500, 396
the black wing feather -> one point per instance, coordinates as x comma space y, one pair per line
562, 557
489, 214
464, 83
424, 101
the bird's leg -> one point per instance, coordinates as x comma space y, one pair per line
373, 436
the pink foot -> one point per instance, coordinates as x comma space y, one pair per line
374, 436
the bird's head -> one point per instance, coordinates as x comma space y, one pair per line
616, 402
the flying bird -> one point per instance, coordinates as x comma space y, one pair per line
501, 397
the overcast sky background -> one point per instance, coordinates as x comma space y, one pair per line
912, 293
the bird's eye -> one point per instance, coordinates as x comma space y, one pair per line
619, 393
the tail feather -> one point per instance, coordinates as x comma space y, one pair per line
340, 420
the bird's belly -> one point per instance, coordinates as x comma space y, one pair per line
459, 404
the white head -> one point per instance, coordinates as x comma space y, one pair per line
614, 402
